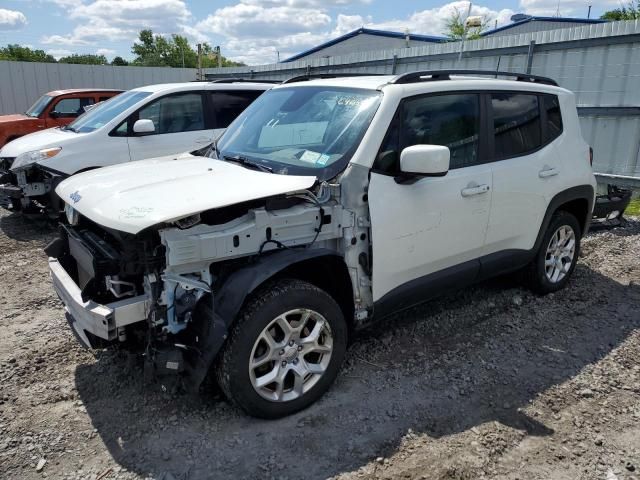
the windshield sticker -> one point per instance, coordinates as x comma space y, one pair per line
310, 156
323, 159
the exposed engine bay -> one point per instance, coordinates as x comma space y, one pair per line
188, 278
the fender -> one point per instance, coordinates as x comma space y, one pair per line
228, 300
242, 282
580, 192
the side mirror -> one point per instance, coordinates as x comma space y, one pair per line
144, 125
425, 160
54, 114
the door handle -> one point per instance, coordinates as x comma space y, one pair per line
203, 140
478, 190
548, 172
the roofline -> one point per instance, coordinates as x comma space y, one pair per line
367, 31
543, 19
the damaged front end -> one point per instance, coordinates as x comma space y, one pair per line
29, 186
172, 291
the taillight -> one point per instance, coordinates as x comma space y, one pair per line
591, 156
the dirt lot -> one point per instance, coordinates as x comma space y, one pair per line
492, 382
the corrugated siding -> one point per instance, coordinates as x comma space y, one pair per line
22, 83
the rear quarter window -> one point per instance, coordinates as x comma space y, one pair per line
553, 123
516, 124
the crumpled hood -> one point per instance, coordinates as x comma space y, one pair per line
134, 196
52, 137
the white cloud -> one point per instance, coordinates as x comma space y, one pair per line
58, 53
255, 29
433, 21
107, 52
245, 20
11, 19
117, 20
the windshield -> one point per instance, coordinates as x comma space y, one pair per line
37, 108
301, 130
105, 112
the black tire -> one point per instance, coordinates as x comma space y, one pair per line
535, 273
232, 369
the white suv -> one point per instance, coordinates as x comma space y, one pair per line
328, 204
145, 122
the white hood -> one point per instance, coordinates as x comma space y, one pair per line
134, 196
52, 137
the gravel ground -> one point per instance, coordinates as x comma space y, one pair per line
493, 382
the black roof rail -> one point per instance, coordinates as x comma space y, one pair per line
242, 80
434, 75
313, 76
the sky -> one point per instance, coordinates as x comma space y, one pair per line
251, 31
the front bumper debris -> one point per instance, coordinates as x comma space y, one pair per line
11, 191
102, 321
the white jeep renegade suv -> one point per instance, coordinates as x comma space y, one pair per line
327, 204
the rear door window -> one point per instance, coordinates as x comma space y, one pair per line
226, 106
175, 113
516, 124
71, 107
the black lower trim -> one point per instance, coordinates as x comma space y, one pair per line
426, 288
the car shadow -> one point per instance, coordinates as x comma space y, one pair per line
27, 228
477, 356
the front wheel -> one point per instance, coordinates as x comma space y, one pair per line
284, 351
557, 256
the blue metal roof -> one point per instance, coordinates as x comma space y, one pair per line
543, 19
368, 31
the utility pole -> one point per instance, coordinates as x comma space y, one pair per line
199, 74
219, 56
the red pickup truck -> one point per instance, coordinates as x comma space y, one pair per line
53, 109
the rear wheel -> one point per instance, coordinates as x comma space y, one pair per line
557, 256
284, 351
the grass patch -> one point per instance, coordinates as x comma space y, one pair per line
634, 208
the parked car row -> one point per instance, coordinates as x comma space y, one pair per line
141, 123
326, 205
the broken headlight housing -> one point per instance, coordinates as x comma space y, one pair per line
72, 214
28, 158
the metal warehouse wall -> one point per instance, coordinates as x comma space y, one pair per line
599, 63
22, 83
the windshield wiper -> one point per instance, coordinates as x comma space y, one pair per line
244, 161
70, 128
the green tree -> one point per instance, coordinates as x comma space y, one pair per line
85, 59
456, 29
18, 53
158, 51
631, 11
119, 62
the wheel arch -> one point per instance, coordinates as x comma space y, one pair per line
576, 200
239, 285
321, 267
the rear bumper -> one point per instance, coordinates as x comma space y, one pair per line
103, 321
